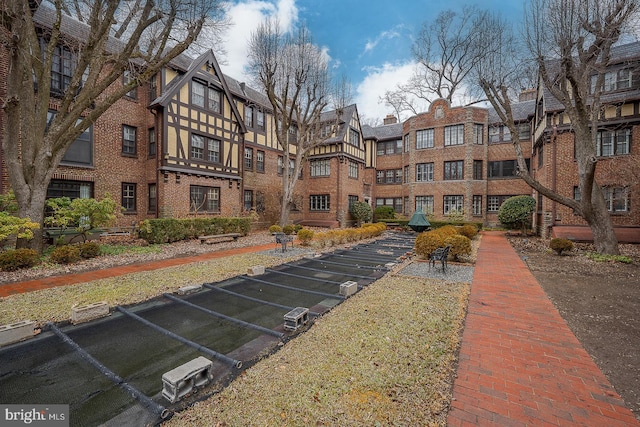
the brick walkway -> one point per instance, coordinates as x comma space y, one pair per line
520, 365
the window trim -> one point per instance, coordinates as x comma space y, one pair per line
129, 193
132, 144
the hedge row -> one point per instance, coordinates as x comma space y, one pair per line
167, 230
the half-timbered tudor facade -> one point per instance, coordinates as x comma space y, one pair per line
617, 150
194, 142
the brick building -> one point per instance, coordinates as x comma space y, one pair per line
195, 142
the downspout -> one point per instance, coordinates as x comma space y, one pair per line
554, 138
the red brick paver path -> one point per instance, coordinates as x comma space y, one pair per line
520, 365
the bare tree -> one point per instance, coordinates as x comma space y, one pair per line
445, 55
294, 74
43, 42
570, 42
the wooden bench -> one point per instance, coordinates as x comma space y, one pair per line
283, 239
215, 238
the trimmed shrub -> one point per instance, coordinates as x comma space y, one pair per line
446, 231
361, 211
384, 212
468, 230
560, 245
65, 254
427, 242
89, 250
16, 259
275, 228
305, 236
460, 245
517, 212
167, 230
288, 229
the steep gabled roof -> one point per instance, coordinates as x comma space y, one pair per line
619, 55
343, 119
196, 65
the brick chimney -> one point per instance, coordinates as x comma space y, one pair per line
390, 119
527, 95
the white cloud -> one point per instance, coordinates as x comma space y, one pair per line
385, 35
245, 17
377, 81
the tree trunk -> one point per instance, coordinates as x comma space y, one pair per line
33, 210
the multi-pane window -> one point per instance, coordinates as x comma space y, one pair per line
153, 88
478, 134
213, 150
248, 116
453, 204
540, 155
424, 172
205, 97
406, 143
424, 138
62, 67
70, 189
524, 131
616, 199
326, 130
454, 170
454, 135
379, 177
213, 100
389, 147
354, 137
406, 174
394, 202
504, 168
476, 205
494, 202
353, 169
197, 147
153, 148
80, 152
280, 165
128, 199
425, 203
260, 119
204, 148
248, 159
259, 161
477, 169
198, 94
319, 202
248, 200
615, 80
128, 77
613, 143
129, 145
204, 199
152, 199
320, 167
499, 133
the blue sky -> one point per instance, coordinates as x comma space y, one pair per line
369, 41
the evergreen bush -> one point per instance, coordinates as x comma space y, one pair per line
305, 236
66, 254
427, 242
460, 245
560, 245
89, 250
16, 259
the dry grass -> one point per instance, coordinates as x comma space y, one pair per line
55, 304
384, 357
